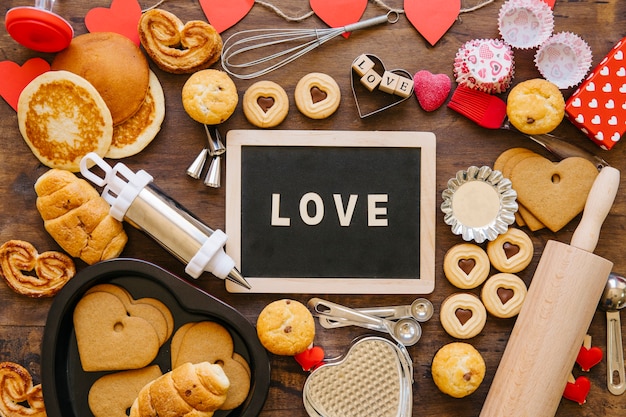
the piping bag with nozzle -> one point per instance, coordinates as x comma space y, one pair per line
134, 199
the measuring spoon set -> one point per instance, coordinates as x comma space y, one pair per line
402, 323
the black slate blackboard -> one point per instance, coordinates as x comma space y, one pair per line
329, 211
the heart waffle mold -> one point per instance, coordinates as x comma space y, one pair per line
373, 378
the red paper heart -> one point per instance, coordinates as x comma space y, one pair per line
14, 78
122, 17
224, 14
431, 90
550, 3
432, 18
588, 358
310, 358
578, 390
339, 13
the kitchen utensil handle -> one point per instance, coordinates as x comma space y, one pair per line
563, 149
597, 207
615, 378
327, 308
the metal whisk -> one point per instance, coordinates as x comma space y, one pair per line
250, 41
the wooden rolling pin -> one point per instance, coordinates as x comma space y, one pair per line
560, 304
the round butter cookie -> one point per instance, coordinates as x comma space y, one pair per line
62, 117
317, 95
286, 327
458, 369
114, 65
535, 106
210, 96
265, 104
132, 136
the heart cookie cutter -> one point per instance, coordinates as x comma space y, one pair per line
379, 375
369, 103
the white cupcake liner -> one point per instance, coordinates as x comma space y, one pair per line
485, 65
564, 59
525, 24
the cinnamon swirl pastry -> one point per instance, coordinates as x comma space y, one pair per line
52, 269
18, 396
176, 47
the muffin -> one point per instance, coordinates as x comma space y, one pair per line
210, 96
286, 327
458, 369
535, 106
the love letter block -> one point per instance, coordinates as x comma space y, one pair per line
598, 106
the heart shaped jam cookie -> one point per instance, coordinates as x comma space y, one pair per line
511, 252
466, 265
503, 295
317, 95
463, 315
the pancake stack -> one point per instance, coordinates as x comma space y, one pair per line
99, 97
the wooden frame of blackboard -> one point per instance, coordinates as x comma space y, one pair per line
422, 282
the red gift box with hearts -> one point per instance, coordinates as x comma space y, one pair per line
598, 106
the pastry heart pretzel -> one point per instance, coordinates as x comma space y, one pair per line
53, 269
176, 47
17, 390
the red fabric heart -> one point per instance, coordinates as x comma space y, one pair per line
588, 358
578, 390
338, 13
224, 14
432, 18
14, 78
310, 358
122, 17
431, 90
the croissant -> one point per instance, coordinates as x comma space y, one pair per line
77, 217
189, 390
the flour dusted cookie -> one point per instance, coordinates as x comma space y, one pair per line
286, 327
466, 265
463, 315
317, 95
210, 96
511, 251
112, 394
503, 295
458, 369
265, 104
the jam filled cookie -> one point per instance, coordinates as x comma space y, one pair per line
317, 95
503, 295
511, 252
265, 104
458, 369
463, 315
466, 265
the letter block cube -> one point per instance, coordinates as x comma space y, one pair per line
389, 82
362, 64
404, 88
371, 79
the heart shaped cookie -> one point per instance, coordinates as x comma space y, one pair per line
372, 102
555, 193
108, 338
372, 365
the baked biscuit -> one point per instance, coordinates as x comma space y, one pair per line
317, 95
458, 369
265, 104
466, 265
210, 96
286, 327
463, 315
503, 295
535, 106
511, 251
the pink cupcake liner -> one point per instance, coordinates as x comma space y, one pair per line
485, 65
564, 59
525, 24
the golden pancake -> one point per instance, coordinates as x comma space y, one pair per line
132, 136
62, 117
114, 65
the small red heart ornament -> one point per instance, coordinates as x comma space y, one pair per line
310, 358
339, 13
122, 17
578, 390
14, 78
589, 357
225, 14
431, 89
432, 18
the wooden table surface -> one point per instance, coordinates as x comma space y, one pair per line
460, 144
